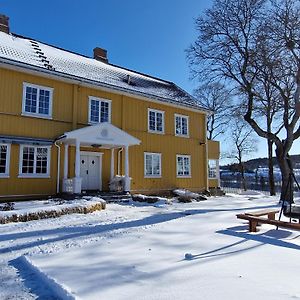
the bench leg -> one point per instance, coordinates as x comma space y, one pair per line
271, 216
252, 226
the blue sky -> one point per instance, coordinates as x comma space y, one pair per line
143, 35
147, 36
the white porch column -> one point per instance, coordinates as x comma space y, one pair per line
77, 179
127, 178
112, 164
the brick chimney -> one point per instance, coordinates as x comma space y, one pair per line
4, 25
100, 54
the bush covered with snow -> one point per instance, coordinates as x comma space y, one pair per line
117, 184
7, 206
187, 196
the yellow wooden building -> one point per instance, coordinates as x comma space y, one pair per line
72, 123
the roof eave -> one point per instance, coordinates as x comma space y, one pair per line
81, 80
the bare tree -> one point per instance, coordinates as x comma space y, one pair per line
218, 99
242, 41
243, 144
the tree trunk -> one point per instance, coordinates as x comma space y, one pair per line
271, 169
286, 170
242, 171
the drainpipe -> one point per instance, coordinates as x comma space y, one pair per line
58, 167
119, 158
206, 153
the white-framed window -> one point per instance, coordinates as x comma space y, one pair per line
37, 100
156, 121
99, 110
183, 165
181, 125
34, 161
4, 160
213, 168
152, 164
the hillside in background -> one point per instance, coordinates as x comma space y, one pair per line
255, 163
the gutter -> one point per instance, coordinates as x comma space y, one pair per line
58, 167
24, 140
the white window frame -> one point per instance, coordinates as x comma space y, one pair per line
190, 166
163, 121
7, 161
216, 169
153, 175
187, 125
99, 100
36, 114
34, 174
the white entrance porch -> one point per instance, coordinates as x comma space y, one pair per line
88, 165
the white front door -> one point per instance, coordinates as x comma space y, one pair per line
90, 170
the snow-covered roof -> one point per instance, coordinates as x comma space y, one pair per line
29, 52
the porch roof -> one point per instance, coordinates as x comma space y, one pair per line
103, 135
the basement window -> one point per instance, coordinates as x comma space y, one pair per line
37, 101
34, 161
4, 160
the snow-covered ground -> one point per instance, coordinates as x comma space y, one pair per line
195, 250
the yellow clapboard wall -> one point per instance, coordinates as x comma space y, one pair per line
70, 111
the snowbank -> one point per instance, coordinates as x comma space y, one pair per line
50, 209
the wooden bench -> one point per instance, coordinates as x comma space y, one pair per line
254, 221
270, 213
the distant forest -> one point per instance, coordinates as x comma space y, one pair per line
253, 164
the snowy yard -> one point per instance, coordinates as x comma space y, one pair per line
137, 251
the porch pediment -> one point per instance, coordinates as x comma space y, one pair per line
101, 135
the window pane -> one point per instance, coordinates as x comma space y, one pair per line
31, 100
212, 168
3, 156
159, 121
94, 113
181, 125
179, 165
44, 102
104, 111
148, 164
41, 160
156, 164
186, 166
178, 125
152, 120
183, 166
184, 126
28, 160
